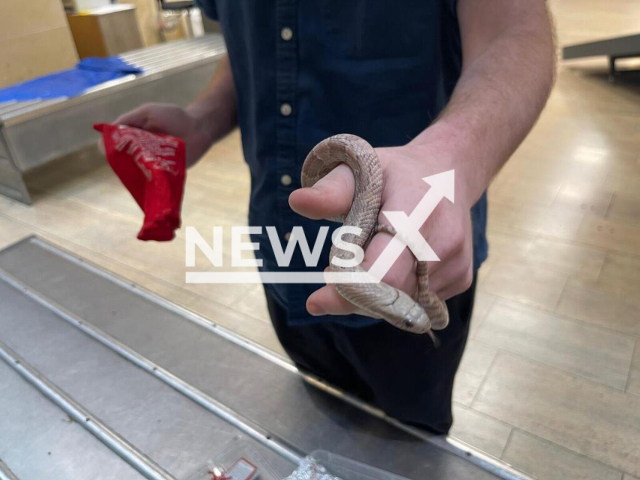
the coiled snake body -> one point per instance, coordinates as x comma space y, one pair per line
378, 300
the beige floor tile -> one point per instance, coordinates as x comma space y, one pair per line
68, 219
11, 231
483, 432
473, 368
566, 257
623, 182
571, 159
204, 220
557, 222
619, 235
55, 216
578, 414
602, 129
482, 304
519, 190
583, 197
633, 386
253, 302
629, 477
103, 193
549, 461
484, 269
166, 261
233, 140
587, 301
212, 172
583, 86
533, 285
589, 156
620, 276
570, 345
509, 243
625, 207
227, 203
621, 272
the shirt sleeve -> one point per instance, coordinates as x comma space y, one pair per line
210, 10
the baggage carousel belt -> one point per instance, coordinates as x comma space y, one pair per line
171, 385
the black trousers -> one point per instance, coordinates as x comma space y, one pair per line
400, 372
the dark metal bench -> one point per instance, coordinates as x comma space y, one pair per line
613, 48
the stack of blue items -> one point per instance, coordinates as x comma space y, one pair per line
88, 73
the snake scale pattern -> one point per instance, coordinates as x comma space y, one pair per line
378, 300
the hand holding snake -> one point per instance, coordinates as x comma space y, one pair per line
345, 179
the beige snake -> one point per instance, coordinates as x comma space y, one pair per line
377, 300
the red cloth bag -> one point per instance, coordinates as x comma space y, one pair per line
153, 168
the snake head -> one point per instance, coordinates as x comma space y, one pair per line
409, 315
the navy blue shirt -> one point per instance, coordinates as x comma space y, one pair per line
307, 70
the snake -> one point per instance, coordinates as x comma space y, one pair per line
418, 314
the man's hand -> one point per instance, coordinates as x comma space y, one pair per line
508, 71
447, 230
172, 120
210, 116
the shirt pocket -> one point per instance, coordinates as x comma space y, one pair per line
379, 29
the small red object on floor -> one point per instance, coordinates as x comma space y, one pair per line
153, 168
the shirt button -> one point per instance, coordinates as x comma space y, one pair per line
285, 109
286, 33
286, 180
287, 236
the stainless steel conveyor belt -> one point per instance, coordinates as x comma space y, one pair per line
36, 132
101, 379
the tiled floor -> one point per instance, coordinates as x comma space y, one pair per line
550, 381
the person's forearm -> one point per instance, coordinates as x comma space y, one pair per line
215, 107
502, 90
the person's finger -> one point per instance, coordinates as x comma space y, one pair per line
453, 277
458, 284
448, 292
329, 197
402, 274
135, 118
101, 146
327, 301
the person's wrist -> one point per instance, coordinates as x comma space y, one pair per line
196, 112
203, 123
449, 149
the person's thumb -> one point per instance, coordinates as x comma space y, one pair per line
330, 197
